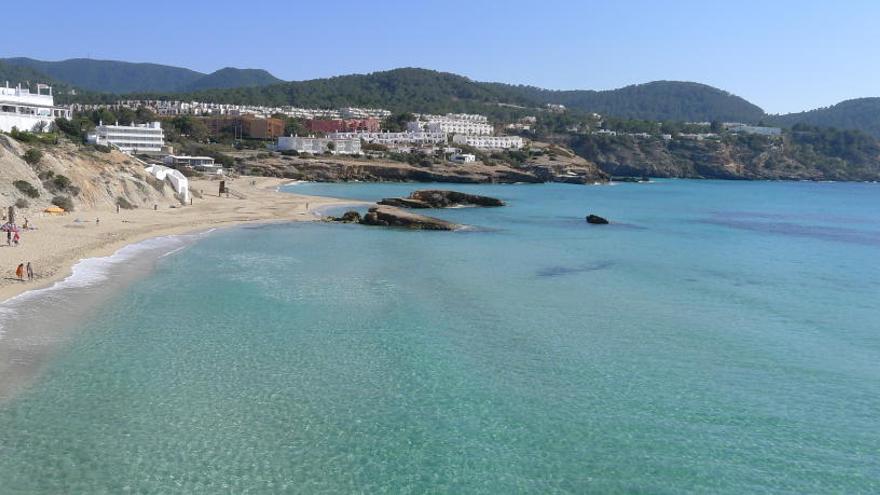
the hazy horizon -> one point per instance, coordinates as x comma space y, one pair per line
784, 57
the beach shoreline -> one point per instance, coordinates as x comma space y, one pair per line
61, 242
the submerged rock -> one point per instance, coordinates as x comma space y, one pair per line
390, 216
596, 219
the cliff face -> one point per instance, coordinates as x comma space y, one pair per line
564, 167
723, 159
94, 179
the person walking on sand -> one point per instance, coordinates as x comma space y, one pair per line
16, 239
19, 272
30, 271
8, 237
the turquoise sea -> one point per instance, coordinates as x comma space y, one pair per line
719, 337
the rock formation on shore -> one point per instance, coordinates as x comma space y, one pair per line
390, 216
432, 198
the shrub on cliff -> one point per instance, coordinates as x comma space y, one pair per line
63, 202
32, 156
22, 203
124, 203
27, 188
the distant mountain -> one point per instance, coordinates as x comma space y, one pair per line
230, 77
659, 100
860, 114
111, 76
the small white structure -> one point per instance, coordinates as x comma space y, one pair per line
318, 146
737, 127
463, 158
392, 138
197, 162
177, 180
452, 127
489, 142
28, 111
134, 138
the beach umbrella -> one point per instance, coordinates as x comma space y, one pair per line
8, 227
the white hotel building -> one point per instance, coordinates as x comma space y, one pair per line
450, 126
28, 111
489, 142
318, 146
134, 138
392, 138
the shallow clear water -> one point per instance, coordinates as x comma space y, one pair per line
720, 337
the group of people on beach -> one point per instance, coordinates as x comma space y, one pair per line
23, 270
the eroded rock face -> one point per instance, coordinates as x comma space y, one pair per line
390, 216
596, 220
441, 199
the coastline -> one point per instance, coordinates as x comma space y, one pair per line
61, 242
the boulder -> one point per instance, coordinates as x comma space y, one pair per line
390, 216
447, 199
596, 219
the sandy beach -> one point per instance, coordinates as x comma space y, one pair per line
58, 242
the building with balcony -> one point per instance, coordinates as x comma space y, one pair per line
28, 111
319, 146
202, 163
343, 125
246, 126
451, 126
393, 138
134, 138
489, 142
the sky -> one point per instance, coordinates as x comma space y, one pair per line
784, 55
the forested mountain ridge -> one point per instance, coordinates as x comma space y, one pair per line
111, 76
861, 113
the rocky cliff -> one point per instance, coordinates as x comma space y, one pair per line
89, 178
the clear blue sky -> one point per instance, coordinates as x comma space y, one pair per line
782, 55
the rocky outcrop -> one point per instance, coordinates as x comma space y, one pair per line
596, 220
447, 199
404, 203
389, 216
347, 217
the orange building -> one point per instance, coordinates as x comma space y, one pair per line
246, 126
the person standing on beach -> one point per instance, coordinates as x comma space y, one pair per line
19, 272
16, 239
8, 237
30, 271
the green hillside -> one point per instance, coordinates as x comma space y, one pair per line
860, 114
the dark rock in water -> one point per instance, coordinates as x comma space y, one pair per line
390, 216
347, 217
404, 203
596, 219
446, 199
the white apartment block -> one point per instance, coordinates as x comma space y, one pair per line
489, 142
393, 138
452, 127
318, 146
466, 117
28, 111
363, 113
134, 138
